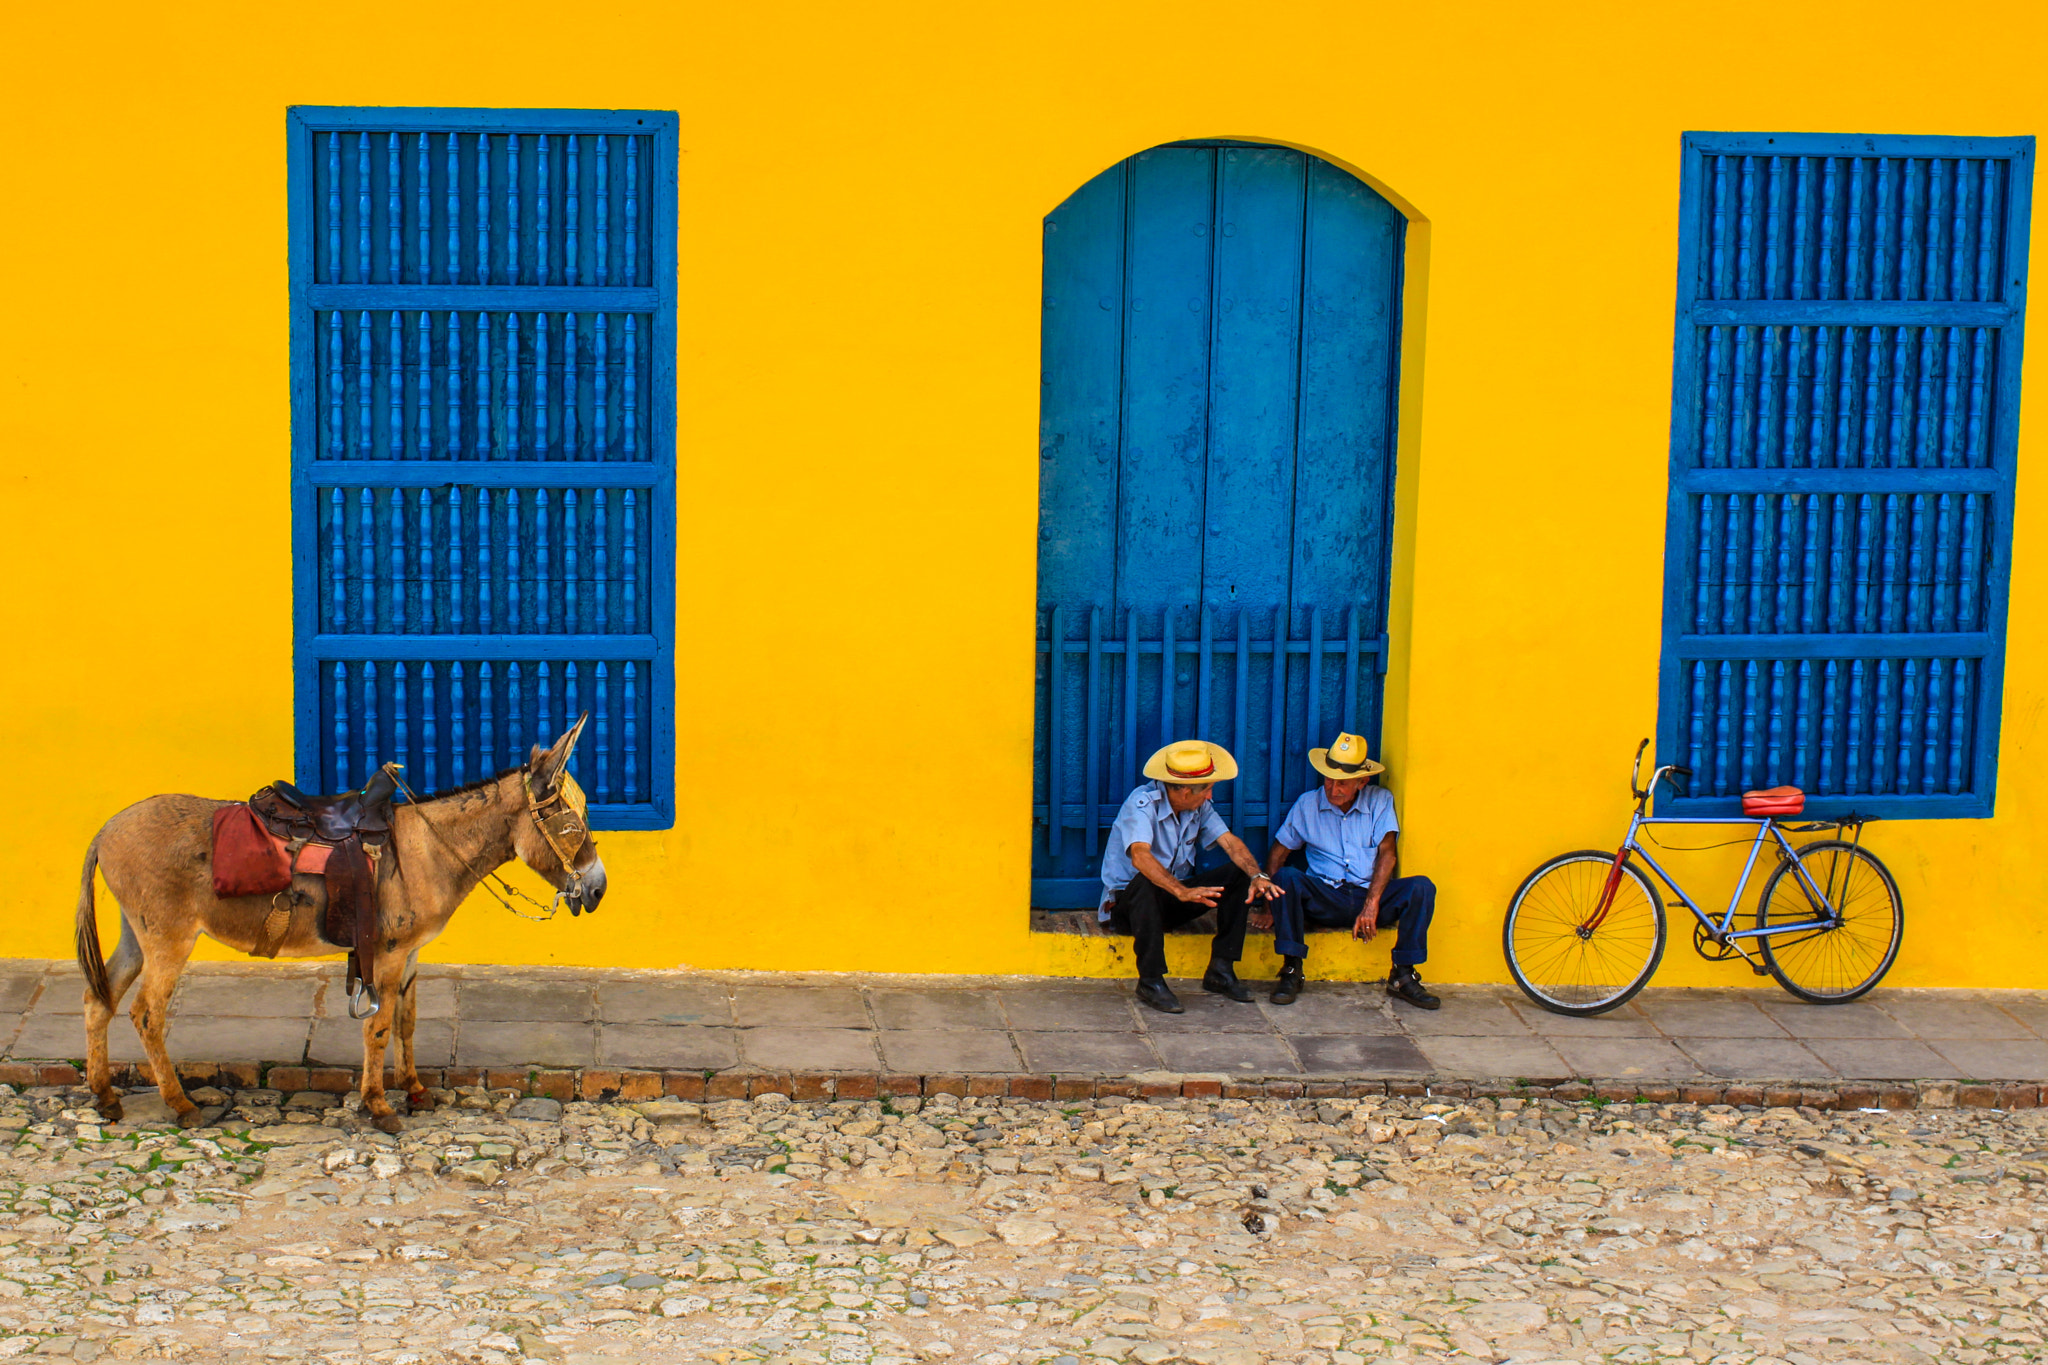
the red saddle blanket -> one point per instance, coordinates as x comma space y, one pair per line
248, 860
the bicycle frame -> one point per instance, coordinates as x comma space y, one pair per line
1767, 830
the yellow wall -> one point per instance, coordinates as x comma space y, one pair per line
861, 192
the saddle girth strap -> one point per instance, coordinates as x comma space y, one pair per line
352, 920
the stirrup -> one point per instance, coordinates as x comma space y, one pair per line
360, 989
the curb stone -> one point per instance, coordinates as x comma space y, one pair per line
605, 1083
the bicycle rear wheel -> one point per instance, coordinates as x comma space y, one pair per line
1564, 953
1831, 966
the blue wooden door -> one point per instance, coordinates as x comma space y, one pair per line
1221, 332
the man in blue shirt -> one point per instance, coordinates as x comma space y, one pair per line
1149, 883
1348, 827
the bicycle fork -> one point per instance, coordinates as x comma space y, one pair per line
1599, 915
1591, 924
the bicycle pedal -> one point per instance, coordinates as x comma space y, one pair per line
1760, 971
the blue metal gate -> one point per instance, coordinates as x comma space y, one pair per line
1221, 334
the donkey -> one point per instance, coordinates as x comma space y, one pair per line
155, 856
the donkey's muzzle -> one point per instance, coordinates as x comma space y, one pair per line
586, 892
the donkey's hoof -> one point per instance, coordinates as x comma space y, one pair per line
195, 1117
390, 1123
420, 1100
110, 1110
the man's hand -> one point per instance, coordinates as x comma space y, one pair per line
1262, 888
1201, 895
1367, 925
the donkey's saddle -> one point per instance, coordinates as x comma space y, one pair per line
346, 835
333, 818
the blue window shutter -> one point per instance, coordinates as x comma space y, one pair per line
1221, 335
483, 445
1845, 421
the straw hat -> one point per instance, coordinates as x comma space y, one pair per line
1191, 763
1344, 759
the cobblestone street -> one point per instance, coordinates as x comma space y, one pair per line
1213, 1231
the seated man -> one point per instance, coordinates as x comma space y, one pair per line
1348, 827
1148, 884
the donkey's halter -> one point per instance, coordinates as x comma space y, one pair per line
504, 892
566, 827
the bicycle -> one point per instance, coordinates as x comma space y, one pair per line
1586, 930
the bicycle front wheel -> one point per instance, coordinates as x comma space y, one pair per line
1829, 966
1565, 953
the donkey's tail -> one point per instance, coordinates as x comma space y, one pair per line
86, 931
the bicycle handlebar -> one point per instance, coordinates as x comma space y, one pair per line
1673, 772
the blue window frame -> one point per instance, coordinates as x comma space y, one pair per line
483, 445
1845, 418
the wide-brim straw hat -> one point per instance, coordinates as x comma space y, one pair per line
1344, 759
1191, 763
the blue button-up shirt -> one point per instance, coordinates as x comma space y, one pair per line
1342, 845
1148, 817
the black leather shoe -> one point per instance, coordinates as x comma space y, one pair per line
1221, 979
1153, 991
1288, 986
1404, 984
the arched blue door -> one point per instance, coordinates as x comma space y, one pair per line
1221, 332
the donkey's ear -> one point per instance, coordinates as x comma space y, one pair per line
548, 763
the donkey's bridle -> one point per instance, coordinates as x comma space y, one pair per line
566, 824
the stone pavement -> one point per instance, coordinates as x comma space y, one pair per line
500, 1230
801, 1032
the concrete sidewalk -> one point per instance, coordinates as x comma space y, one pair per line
544, 1028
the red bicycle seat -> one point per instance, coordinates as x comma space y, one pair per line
1774, 801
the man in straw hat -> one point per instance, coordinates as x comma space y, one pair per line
1348, 827
1148, 870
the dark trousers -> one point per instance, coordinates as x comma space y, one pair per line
1312, 902
1146, 912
